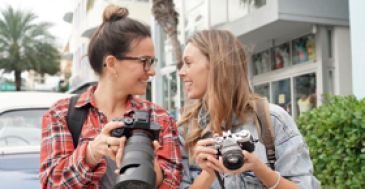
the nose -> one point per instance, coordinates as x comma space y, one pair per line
151, 71
182, 72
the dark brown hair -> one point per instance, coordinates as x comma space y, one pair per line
114, 36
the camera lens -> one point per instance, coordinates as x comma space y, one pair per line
137, 168
233, 160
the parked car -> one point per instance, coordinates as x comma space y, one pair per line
20, 136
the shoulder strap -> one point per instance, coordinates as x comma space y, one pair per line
75, 119
267, 130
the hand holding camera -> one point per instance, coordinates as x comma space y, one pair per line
104, 144
233, 150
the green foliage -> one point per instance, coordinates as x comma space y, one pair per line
26, 44
335, 133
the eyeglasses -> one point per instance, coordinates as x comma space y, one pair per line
146, 60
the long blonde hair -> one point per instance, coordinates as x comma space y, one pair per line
228, 91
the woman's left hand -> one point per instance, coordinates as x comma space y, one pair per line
251, 161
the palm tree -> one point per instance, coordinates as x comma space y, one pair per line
26, 45
167, 17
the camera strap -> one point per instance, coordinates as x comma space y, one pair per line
75, 119
220, 179
267, 131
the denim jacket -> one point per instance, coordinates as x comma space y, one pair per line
292, 155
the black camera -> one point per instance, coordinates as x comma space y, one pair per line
230, 147
137, 166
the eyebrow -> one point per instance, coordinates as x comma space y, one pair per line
186, 58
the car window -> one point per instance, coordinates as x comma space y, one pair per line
21, 127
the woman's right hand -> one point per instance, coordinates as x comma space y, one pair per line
204, 153
104, 144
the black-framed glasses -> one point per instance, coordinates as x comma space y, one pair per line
147, 61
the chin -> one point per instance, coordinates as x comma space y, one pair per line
193, 96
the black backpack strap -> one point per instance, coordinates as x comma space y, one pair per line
267, 130
75, 119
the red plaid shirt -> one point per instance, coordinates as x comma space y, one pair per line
62, 166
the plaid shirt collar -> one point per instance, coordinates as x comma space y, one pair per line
88, 98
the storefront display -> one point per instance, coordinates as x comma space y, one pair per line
281, 56
304, 49
282, 94
262, 62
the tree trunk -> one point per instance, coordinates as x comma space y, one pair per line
18, 80
167, 17
177, 48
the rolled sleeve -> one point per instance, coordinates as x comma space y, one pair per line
169, 155
62, 166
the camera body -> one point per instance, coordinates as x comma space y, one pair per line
137, 166
230, 147
140, 120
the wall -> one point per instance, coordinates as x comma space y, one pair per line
357, 26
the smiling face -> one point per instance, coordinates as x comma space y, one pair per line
132, 78
194, 72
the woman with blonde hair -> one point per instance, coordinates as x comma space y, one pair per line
121, 52
215, 77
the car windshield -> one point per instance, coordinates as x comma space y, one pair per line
21, 127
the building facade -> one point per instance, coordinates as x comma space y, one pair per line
299, 50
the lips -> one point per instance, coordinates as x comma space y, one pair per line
188, 84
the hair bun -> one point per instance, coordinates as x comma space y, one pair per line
114, 13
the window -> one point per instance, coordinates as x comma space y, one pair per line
281, 56
170, 92
263, 90
329, 42
262, 62
305, 93
21, 127
282, 94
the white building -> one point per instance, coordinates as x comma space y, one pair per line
85, 18
298, 49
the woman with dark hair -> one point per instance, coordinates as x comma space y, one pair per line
215, 76
121, 52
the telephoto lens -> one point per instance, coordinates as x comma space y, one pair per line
137, 169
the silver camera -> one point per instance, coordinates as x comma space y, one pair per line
230, 147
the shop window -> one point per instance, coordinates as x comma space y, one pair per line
282, 94
281, 56
329, 42
304, 49
263, 90
170, 92
305, 93
261, 62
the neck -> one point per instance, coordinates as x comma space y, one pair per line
110, 101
